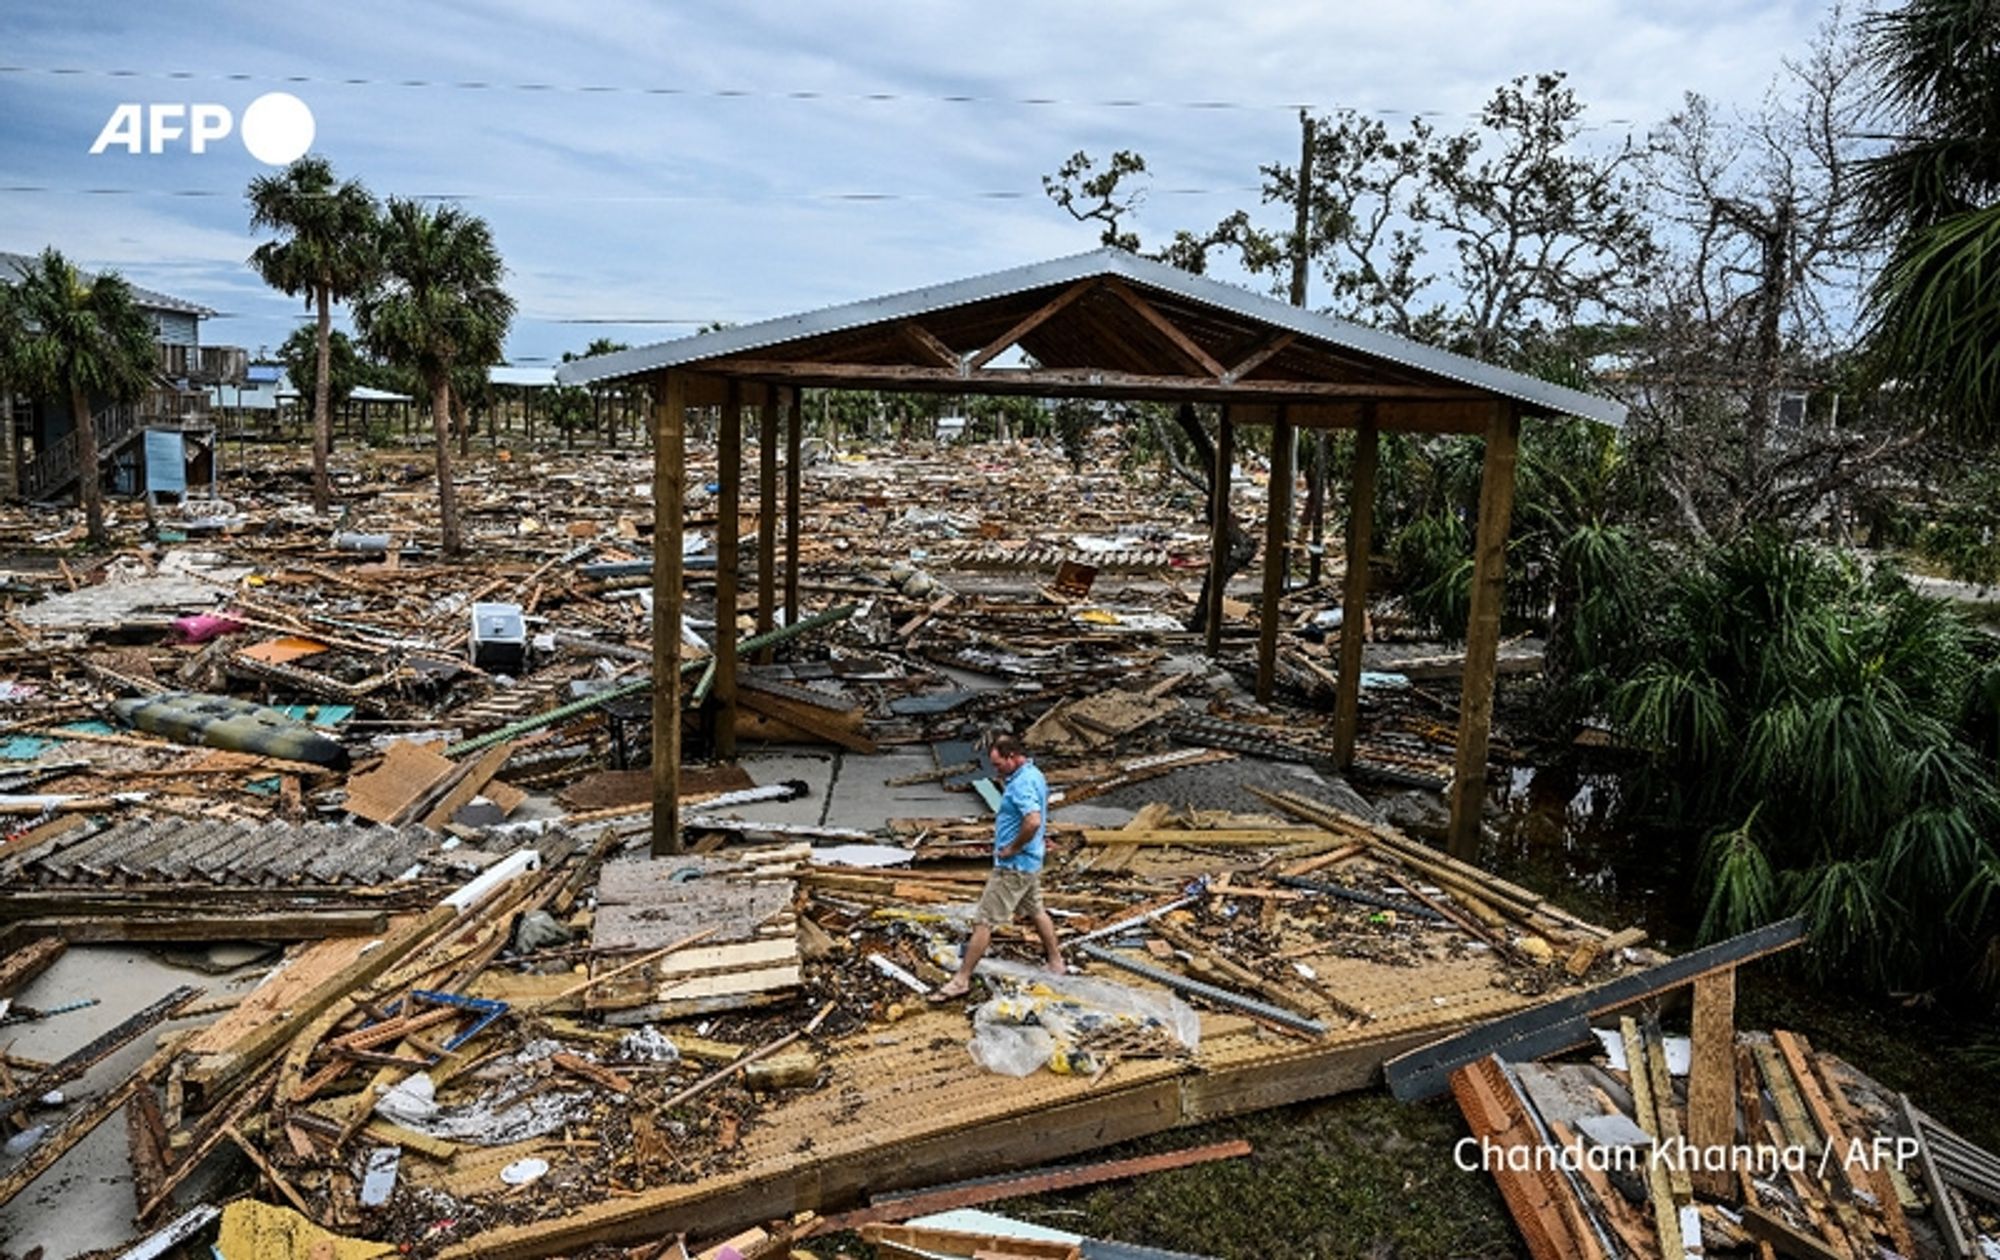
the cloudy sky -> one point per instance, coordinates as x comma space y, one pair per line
648, 167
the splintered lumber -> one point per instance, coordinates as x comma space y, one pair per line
913, 1242
1467, 882
1659, 1193
1261, 836
1767, 1226
1625, 1220
1712, 1079
78, 1125
1585, 956
1784, 1093
215, 1072
902, 1207
1538, 1196
77, 1063
1672, 1132
1565, 1022
1881, 1185
22, 965
391, 792
764, 1051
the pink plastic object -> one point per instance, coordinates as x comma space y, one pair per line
201, 627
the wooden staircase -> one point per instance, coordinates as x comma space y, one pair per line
55, 470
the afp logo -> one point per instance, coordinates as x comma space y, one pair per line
277, 128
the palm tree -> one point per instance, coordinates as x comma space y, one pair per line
80, 339
326, 254
436, 306
1935, 321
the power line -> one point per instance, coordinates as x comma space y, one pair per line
633, 198
749, 93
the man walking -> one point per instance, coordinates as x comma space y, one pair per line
1014, 889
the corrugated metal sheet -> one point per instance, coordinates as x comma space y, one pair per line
1142, 273
13, 265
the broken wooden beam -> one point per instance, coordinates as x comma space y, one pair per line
902, 1207
1565, 1023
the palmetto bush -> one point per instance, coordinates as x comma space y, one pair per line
1828, 730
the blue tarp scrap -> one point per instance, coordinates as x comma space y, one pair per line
317, 714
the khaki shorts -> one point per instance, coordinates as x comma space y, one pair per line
1008, 894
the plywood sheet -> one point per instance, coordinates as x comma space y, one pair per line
407, 771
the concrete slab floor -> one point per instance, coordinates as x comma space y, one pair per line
85, 1202
850, 789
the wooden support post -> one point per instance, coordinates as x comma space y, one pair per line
1277, 555
767, 514
1712, 1080
669, 469
792, 473
1482, 633
1354, 593
1218, 530
729, 475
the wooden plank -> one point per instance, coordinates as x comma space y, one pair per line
1096, 383
1564, 1023
807, 718
1482, 633
1035, 319
469, 785
1186, 346
712, 958
216, 1071
1672, 1130
408, 771
1534, 1196
1265, 836
767, 515
205, 925
23, 964
928, 347
1767, 1226
729, 984
913, 1242
1712, 1079
669, 473
1659, 1193
1354, 591
728, 559
74, 1127
1792, 1116
1218, 530
1277, 555
794, 470
1881, 1185
1271, 346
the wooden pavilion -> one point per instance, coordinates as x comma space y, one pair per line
1108, 325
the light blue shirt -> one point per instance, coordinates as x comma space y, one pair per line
1027, 792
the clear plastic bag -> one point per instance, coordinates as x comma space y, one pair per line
1010, 1049
1039, 1020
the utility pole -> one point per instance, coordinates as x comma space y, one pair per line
1313, 517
